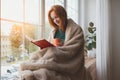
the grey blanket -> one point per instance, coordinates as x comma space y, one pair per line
59, 63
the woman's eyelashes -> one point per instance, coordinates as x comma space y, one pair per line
56, 20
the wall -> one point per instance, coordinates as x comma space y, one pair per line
87, 13
90, 12
115, 23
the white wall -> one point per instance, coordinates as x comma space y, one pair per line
115, 23
87, 13
90, 11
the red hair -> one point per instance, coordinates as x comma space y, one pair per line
61, 13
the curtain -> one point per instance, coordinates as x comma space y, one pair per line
103, 39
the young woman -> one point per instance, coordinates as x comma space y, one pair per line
65, 61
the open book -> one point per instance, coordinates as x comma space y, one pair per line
43, 43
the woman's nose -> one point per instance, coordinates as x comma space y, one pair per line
56, 21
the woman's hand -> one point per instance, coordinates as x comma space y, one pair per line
57, 42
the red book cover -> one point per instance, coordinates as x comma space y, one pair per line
42, 43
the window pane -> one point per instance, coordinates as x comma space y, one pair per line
12, 9
30, 30
59, 2
8, 53
15, 49
32, 11
12, 41
72, 10
18, 18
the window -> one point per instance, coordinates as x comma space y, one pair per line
72, 10
19, 17
24, 17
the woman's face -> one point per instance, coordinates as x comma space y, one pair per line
56, 19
